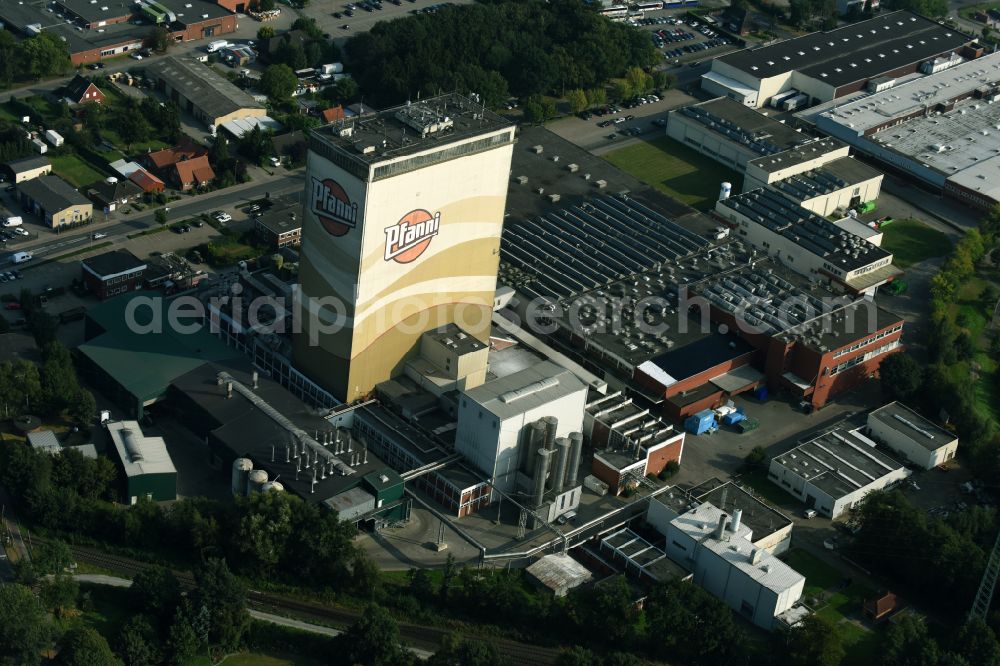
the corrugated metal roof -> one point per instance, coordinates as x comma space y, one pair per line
525, 390
559, 572
139, 453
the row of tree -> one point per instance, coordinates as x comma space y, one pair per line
496, 49
52, 389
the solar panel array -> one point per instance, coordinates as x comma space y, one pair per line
811, 184
592, 244
755, 141
806, 229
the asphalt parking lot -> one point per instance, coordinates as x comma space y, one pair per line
681, 39
362, 20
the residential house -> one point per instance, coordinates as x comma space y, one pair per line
147, 181
82, 90
333, 114
27, 168
113, 192
188, 174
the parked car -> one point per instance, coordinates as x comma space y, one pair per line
13, 305
98, 235
136, 56
222, 217
809, 513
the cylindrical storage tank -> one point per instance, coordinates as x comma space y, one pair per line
533, 440
551, 425
272, 486
111, 180
725, 190
558, 477
544, 459
255, 481
575, 453
241, 470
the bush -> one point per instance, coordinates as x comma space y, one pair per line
756, 456
669, 470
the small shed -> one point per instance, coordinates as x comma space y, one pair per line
881, 606
558, 573
44, 440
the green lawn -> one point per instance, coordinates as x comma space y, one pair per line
971, 313
109, 609
268, 660
74, 170
675, 170
819, 575
912, 241
137, 148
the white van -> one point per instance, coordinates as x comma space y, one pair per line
216, 45
15, 221
21, 257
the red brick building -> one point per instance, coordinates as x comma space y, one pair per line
83, 91
112, 273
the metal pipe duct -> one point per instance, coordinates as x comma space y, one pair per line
734, 524
720, 530
551, 425
544, 459
558, 478
575, 452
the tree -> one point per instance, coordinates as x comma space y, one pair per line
59, 594
621, 90
83, 410
374, 640
155, 592
577, 100
265, 32
813, 642
131, 124
257, 145
160, 216
51, 557
265, 5
278, 82
138, 644
184, 640
900, 376
23, 630
638, 80
907, 643
421, 585
224, 596
159, 39
447, 576
59, 383
756, 456
83, 646
458, 652
597, 97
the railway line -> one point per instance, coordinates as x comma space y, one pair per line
414, 635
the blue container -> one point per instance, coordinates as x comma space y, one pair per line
733, 418
701, 422
761, 393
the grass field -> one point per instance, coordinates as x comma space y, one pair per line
267, 660
758, 481
74, 170
971, 312
675, 170
912, 241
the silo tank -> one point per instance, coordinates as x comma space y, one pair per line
241, 470
255, 481
575, 452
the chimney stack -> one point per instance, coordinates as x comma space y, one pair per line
734, 524
256, 385
720, 530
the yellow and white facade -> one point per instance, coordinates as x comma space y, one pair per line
398, 238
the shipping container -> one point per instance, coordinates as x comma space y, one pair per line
701, 422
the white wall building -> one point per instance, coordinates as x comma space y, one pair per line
918, 440
493, 418
718, 549
834, 471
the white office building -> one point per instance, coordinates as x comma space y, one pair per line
917, 440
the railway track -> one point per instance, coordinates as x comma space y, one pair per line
414, 635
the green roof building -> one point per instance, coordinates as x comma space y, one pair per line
133, 362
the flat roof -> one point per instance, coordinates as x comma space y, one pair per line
559, 571
797, 155
782, 215
851, 323
684, 362
834, 176
113, 262
911, 424
740, 124
701, 522
139, 454
855, 52
903, 99
94, 12
411, 128
769, 571
455, 339
525, 390
198, 82
838, 462
44, 440
759, 516
284, 216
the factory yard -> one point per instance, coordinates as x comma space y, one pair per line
676, 170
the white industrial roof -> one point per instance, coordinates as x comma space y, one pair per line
44, 440
909, 423
769, 571
139, 454
528, 389
900, 100
702, 521
241, 126
559, 572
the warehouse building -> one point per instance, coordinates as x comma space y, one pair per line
808, 243
940, 129
823, 66
833, 188
55, 201
143, 463
27, 168
280, 225
834, 471
917, 440
199, 90
718, 548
